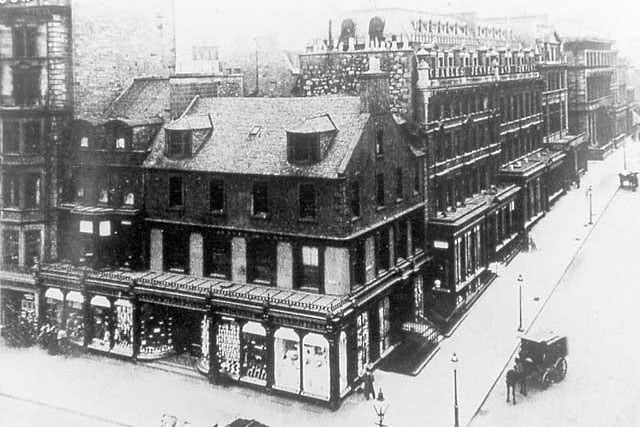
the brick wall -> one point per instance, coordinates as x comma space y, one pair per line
58, 69
115, 41
339, 72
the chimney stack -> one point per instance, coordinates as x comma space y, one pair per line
374, 88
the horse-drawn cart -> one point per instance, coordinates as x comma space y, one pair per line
628, 179
542, 357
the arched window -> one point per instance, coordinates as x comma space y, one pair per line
316, 373
286, 359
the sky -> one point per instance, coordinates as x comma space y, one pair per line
235, 23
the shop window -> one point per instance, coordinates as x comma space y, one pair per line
32, 137
286, 343
307, 201
399, 192
84, 142
32, 191
316, 373
179, 143
120, 143
254, 353
260, 199
80, 194
86, 227
123, 331
304, 148
26, 85
129, 199
10, 137
380, 190
10, 190
342, 362
379, 143
354, 198
25, 42
418, 295
262, 260
32, 244
103, 196
362, 341
218, 257
104, 228
10, 247
75, 317
228, 346
384, 325
216, 196
310, 267
175, 192
102, 323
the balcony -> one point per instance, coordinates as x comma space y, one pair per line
458, 75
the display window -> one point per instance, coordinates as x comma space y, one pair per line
53, 309
344, 380
362, 337
316, 375
203, 360
228, 345
418, 296
254, 353
156, 332
384, 322
101, 314
286, 359
75, 317
123, 332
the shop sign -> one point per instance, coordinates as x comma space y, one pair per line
440, 244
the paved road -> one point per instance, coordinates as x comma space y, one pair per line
596, 305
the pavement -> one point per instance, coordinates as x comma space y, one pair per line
99, 390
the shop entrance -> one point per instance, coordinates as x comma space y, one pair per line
17, 317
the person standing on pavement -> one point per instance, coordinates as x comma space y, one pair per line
369, 381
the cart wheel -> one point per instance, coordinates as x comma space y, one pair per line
547, 378
561, 369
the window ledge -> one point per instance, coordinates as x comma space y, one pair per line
261, 282
310, 289
219, 276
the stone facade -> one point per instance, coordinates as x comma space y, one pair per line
340, 72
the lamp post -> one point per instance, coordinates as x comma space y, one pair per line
624, 155
456, 417
520, 280
590, 195
381, 410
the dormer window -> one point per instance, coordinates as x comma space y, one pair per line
179, 143
304, 148
120, 143
84, 142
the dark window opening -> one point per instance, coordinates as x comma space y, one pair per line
354, 198
175, 192
359, 263
399, 192
10, 137
25, 42
32, 191
26, 85
379, 143
10, 191
32, 137
307, 200
380, 189
10, 248
179, 143
417, 233
304, 148
32, 243
216, 196
176, 250
260, 198
416, 178
309, 267
262, 260
402, 240
218, 257
382, 251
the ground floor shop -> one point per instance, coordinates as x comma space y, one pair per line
18, 313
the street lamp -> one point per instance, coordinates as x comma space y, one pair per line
520, 280
590, 195
380, 411
456, 418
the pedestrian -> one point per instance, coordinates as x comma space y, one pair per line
369, 389
53, 341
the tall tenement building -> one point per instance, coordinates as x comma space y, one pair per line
283, 243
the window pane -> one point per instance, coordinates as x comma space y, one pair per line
310, 256
310, 267
218, 257
355, 198
32, 137
216, 195
10, 191
307, 201
10, 141
175, 191
380, 189
105, 228
379, 143
86, 227
32, 247
262, 257
32, 191
399, 194
10, 247
260, 198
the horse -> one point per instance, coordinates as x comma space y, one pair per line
513, 378
376, 31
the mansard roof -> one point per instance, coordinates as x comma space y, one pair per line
250, 135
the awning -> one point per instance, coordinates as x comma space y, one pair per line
254, 328
316, 340
123, 302
75, 296
100, 301
287, 334
54, 293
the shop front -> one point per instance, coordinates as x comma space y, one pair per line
254, 354
123, 331
228, 346
156, 332
102, 324
315, 368
54, 307
287, 357
75, 313
18, 316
